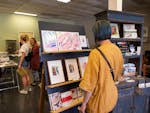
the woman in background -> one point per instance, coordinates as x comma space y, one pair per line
23, 69
35, 60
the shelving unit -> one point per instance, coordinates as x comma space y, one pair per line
121, 18
60, 55
126, 40
63, 83
69, 51
126, 101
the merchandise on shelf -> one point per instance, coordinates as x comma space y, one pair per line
55, 100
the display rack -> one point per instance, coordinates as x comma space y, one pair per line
126, 101
60, 55
122, 18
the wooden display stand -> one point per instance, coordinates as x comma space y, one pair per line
47, 56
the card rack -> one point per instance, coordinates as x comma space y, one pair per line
61, 55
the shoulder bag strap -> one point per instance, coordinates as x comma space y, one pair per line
111, 69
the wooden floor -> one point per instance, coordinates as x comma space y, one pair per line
13, 102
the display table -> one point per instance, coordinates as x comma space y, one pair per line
10, 67
134, 97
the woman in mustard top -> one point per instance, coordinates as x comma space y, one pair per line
100, 93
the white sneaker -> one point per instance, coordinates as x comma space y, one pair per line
23, 91
30, 89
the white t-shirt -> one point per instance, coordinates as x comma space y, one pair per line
24, 48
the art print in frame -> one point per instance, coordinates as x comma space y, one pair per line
55, 71
68, 40
82, 64
114, 30
72, 69
55, 100
49, 41
128, 27
83, 41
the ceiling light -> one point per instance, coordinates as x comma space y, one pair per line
28, 14
64, 1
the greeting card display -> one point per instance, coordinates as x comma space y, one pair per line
128, 27
83, 41
49, 41
55, 100
72, 69
74, 93
66, 98
55, 70
82, 64
114, 30
129, 31
68, 41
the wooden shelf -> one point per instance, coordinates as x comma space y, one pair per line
126, 39
68, 51
74, 103
63, 83
133, 56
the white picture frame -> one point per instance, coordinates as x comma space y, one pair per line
72, 69
49, 41
55, 71
55, 100
83, 41
82, 61
114, 30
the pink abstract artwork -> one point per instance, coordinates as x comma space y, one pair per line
68, 41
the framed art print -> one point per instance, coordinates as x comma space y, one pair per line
114, 30
83, 41
49, 41
55, 100
66, 98
55, 70
68, 40
82, 64
128, 27
72, 69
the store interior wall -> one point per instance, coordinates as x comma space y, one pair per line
12, 24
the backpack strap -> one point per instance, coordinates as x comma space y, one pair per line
111, 69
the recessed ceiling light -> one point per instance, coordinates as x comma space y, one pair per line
64, 1
28, 14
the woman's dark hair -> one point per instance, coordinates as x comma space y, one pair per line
34, 40
102, 30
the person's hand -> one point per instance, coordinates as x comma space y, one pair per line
19, 66
82, 108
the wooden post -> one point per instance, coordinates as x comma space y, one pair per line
115, 5
42, 92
